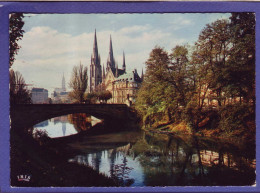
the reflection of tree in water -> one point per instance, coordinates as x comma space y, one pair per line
96, 160
81, 121
112, 158
120, 172
81, 159
169, 160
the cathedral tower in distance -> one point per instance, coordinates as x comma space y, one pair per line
95, 67
63, 87
111, 60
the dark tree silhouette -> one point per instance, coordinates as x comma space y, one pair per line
18, 91
15, 34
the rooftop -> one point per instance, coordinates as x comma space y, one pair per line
129, 76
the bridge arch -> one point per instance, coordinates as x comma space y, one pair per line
27, 115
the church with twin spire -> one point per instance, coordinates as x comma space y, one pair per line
123, 85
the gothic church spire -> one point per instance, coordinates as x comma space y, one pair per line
104, 73
124, 67
95, 49
63, 83
116, 70
95, 67
111, 60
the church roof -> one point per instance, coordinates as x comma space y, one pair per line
120, 71
129, 76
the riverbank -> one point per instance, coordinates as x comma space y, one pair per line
46, 166
134, 158
237, 137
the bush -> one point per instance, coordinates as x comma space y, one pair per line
234, 118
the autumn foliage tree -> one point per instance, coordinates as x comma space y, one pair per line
214, 77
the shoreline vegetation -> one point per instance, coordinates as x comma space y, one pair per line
207, 89
216, 134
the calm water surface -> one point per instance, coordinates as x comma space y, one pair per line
64, 125
136, 158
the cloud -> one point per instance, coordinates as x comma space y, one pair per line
134, 29
47, 53
181, 22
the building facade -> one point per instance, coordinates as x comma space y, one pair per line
124, 88
122, 85
39, 95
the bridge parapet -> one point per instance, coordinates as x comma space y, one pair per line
27, 115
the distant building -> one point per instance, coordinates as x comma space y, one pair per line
124, 88
63, 87
39, 95
60, 95
122, 85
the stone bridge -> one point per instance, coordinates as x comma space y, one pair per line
27, 115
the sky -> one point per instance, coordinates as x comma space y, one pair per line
54, 43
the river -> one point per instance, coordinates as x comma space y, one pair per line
138, 158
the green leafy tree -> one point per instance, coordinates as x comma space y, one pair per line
104, 95
78, 83
211, 55
16, 24
183, 87
149, 103
107, 95
167, 88
91, 98
242, 60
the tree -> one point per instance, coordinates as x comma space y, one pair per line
18, 91
78, 83
181, 87
211, 56
149, 101
242, 60
104, 95
91, 98
167, 86
15, 34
